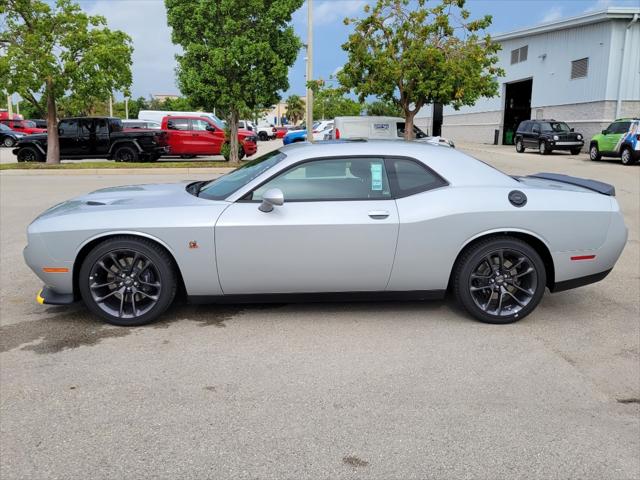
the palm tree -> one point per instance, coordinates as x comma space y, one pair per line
295, 108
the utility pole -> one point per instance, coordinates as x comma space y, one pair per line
309, 70
111, 105
126, 108
10, 106
18, 106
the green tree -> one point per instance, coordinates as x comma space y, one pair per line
236, 54
331, 103
295, 108
52, 50
384, 108
416, 55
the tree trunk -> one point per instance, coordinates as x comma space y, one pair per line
233, 141
408, 124
53, 143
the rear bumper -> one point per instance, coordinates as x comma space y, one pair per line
579, 282
48, 296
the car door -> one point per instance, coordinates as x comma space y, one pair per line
335, 232
180, 141
532, 134
200, 137
615, 132
68, 137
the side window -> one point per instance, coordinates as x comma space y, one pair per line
199, 125
408, 177
178, 123
535, 127
87, 127
332, 179
621, 127
68, 128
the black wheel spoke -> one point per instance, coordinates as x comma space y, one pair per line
102, 299
102, 285
477, 289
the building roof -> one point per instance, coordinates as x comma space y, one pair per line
610, 13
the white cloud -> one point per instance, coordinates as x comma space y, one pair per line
554, 13
154, 55
599, 5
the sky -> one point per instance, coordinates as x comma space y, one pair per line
154, 62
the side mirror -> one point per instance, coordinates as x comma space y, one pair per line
171, 125
211, 128
573, 129
604, 132
271, 198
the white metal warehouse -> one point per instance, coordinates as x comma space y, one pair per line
584, 70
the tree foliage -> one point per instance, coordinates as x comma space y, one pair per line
332, 102
52, 50
414, 55
384, 108
295, 108
236, 53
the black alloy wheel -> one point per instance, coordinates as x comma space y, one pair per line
29, 154
128, 281
500, 280
126, 153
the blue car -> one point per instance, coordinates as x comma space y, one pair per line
295, 136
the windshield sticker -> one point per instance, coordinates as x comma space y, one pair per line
376, 176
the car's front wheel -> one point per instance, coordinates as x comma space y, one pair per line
594, 153
8, 142
128, 281
575, 151
499, 280
519, 146
627, 157
30, 154
543, 148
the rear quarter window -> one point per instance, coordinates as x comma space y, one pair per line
408, 177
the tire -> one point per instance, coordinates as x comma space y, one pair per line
493, 301
263, 136
8, 142
30, 154
575, 151
627, 156
126, 153
241, 153
543, 148
594, 152
118, 264
519, 146
153, 157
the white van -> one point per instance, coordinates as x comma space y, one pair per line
378, 128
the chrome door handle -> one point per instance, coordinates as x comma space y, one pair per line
378, 214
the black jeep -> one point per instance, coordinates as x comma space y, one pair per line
96, 137
546, 136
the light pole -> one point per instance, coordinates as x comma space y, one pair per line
309, 70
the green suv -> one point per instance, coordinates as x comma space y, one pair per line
620, 139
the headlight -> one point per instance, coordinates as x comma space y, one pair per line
579, 137
556, 138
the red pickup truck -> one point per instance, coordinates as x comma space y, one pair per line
192, 135
25, 126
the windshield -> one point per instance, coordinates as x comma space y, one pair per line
222, 187
4, 128
218, 123
554, 127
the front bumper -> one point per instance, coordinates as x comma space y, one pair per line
48, 296
566, 145
249, 148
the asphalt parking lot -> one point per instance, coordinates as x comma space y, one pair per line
353, 390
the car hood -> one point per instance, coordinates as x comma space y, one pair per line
34, 137
152, 196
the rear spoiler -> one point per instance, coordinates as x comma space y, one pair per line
594, 185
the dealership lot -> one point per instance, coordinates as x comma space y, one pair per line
354, 390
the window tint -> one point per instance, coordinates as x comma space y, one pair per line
179, 123
332, 179
89, 126
409, 177
525, 126
619, 127
68, 127
199, 125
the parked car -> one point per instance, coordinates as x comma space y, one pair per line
547, 136
247, 125
8, 137
294, 136
95, 137
620, 139
24, 126
194, 135
146, 124
281, 131
380, 128
267, 131
350, 220
40, 123
320, 129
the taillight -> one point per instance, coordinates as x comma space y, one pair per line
274, 129
337, 133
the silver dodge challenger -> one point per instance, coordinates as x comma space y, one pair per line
337, 220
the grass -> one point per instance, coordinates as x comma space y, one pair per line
110, 165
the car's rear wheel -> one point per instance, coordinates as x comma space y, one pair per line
575, 151
519, 146
627, 157
594, 153
8, 142
126, 153
499, 280
263, 136
128, 281
543, 148
30, 154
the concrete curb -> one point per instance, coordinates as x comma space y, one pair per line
119, 171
